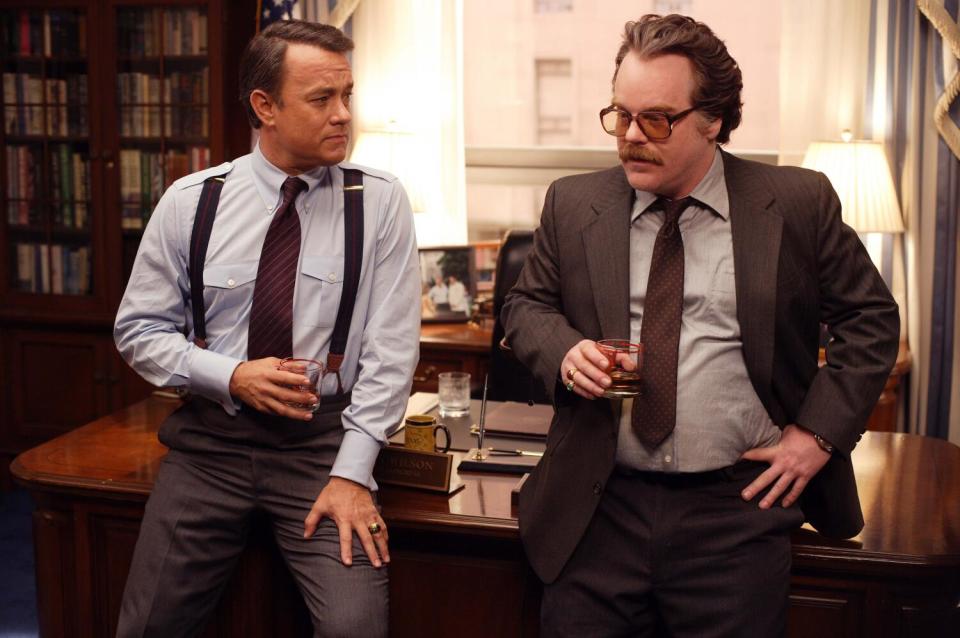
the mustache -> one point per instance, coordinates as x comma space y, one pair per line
631, 152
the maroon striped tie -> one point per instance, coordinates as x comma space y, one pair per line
654, 412
271, 317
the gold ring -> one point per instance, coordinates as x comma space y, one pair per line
374, 528
571, 372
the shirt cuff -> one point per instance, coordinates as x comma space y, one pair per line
355, 460
210, 374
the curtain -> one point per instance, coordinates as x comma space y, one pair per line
892, 77
822, 91
913, 65
407, 70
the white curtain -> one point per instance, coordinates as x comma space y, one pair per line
823, 66
407, 70
832, 79
880, 68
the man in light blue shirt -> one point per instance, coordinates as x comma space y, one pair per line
236, 445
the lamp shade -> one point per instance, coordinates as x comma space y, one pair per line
861, 176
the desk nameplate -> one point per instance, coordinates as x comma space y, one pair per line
397, 465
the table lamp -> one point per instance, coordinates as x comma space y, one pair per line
860, 174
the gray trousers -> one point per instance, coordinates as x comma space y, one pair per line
221, 470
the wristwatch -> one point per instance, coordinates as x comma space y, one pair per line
822, 442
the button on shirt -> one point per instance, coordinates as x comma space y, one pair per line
383, 346
719, 415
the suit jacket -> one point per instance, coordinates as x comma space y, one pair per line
796, 265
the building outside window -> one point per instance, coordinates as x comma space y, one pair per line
531, 110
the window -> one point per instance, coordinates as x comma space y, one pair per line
537, 74
552, 6
555, 102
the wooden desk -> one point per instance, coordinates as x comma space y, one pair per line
458, 568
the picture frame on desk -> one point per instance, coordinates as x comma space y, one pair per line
485, 261
448, 284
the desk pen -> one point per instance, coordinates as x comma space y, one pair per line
483, 416
498, 452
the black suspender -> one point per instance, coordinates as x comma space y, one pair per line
352, 262
199, 240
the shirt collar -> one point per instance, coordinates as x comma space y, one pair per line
710, 193
269, 179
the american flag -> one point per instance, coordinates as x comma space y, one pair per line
273, 10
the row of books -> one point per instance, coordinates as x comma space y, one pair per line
152, 32
67, 187
175, 88
53, 268
22, 176
154, 121
43, 33
50, 106
144, 175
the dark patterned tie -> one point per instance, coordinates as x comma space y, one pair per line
655, 408
271, 317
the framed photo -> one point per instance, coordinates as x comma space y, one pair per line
448, 285
485, 253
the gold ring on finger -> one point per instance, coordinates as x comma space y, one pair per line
571, 372
374, 528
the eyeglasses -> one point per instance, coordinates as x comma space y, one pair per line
655, 125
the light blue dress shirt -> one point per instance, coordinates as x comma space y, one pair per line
384, 341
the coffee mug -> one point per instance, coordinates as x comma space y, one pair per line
420, 433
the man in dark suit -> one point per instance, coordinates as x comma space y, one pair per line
671, 512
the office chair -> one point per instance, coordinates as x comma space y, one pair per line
509, 379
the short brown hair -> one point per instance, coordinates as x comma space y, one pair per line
261, 65
718, 78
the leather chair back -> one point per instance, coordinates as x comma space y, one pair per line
509, 379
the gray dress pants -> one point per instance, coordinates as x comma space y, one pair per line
221, 470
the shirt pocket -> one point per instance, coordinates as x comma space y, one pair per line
322, 285
722, 306
230, 284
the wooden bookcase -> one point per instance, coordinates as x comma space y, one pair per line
105, 103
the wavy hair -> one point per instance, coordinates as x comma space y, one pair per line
261, 65
718, 78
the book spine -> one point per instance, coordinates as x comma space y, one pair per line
47, 49
10, 193
66, 186
55, 187
26, 182
84, 270
24, 266
44, 269
56, 269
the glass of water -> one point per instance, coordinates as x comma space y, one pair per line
454, 393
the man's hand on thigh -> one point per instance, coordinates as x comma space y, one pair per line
351, 507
